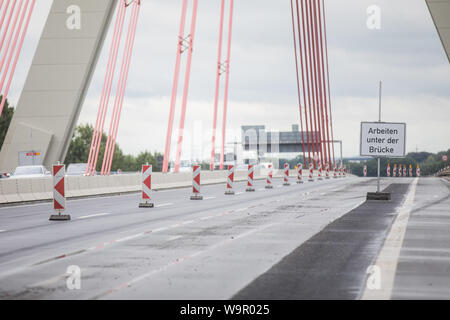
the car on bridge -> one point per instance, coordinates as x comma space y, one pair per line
30, 172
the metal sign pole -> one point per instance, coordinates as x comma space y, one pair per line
379, 120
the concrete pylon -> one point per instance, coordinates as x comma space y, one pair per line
57, 82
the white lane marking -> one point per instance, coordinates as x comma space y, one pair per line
262, 189
206, 218
130, 237
187, 222
387, 260
94, 215
2, 231
174, 238
160, 229
237, 193
209, 198
241, 209
280, 186
164, 205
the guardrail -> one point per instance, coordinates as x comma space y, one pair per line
39, 189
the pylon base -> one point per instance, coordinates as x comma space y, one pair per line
269, 186
59, 217
196, 197
286, 184
146, 205
319, 178
311, 180
299, 181
327, 178
229, 192
250, 189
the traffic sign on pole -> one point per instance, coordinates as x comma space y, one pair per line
59, 193
146, 187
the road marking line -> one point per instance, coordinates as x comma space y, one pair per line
209, 198
174, 238
206, 218
241, 209
187, 222
237, 193
262, 189
130, 237
164, 205
388, 257
94, 215
2, 231
160, 229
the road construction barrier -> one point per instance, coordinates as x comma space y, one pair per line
335, 172
365, 171
59, 192
320, 171
230, 180
269, 184
388, 170
404, 170
410, 170
327, 171
394, 171
418, 171
345, 171
146, 187
250, 177
311, 172
196, 184
286, 174
299, 173
340, 171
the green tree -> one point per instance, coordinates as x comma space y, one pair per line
5, 121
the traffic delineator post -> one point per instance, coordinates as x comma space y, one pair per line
230, 180
340, 171
344, 171
146, 187
394, 171
365, 171
320, 171
410, 170
286, 175
404, 170
250, 181
335, 172
299, 173
269, 184
59, 193
311, 172
196, 183
327, 171
388, 170
418, 171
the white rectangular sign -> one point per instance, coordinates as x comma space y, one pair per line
383, 139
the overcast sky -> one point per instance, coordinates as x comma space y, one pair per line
406, 54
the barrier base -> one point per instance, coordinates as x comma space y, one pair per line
311, 180
59, 217
229, 192
286, 184
299, 181
335, 177
196, 197
378, 196
327, 178
269, 186
320, 178
250, 189
146, 205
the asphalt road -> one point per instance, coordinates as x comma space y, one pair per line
216, 248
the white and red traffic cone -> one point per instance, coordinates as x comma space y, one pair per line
311, 172
59, 193
196, 183
269, 184
299, 173
146, 187
286, 175
230, 180
250, 178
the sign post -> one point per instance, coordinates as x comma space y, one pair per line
382, 140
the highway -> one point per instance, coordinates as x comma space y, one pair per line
314, 240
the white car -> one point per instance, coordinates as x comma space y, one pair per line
30, 172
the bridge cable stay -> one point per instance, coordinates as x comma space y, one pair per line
121, 86
11, 52
184, 44
313, 57
106, 89
298, 82
222, 67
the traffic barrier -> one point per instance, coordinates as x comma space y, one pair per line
327, 171
59, 193
418, 171
404, 170
311, 172
410, 170
340, 171
250, 177
286, 175
345, 171
146, 187
299, 173
196, 184
394, 171
320, 171
335, 172
388, 170
365, 171
269, 184
230, 180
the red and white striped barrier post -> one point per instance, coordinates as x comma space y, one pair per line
286, 175
404, 170
196, 183
230, 180
394, 171
250, 182
410, 170
269, 184
345, 171
365, 171
311, 172
299, 173
319, 167
388, 170
59, 193
340, 170
335, 172
418, 171
327, 171
146, 186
